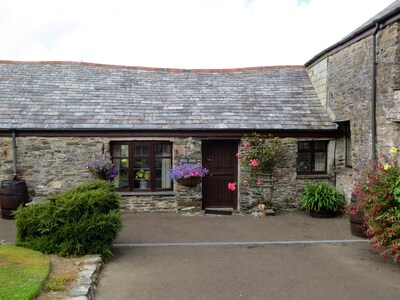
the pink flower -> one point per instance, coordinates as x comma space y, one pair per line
254, 163
231, 186
245, 182
259, 181
238, 154
246, 144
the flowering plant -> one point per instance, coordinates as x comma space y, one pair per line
143, 175
103, 168
380, 202
184, 171
258, 157
260, 153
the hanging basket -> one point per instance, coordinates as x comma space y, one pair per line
189, 182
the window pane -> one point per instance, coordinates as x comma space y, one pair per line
163, 165
319, 145
120, 150
304, 145
163, 150
141, 150
122, 165
304, 163
320, 159
141, 173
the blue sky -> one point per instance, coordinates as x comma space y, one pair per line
178, 33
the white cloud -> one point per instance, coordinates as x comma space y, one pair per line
178, 33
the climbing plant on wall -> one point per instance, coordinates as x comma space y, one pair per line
258, 157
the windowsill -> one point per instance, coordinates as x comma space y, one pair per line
163, 193
313, 176
344, 170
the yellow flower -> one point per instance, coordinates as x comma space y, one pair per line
386, 167
393, 150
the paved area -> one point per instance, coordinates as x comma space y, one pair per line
289, 256
169, 256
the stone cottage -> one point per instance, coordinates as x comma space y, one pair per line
62, 114
55, 116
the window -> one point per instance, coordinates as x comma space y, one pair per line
142, 166
312, 157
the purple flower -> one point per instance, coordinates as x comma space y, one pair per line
183, 171
103, 167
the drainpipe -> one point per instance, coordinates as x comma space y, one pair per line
14, 151
373, 88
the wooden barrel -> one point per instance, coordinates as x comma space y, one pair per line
356, 219
13, 193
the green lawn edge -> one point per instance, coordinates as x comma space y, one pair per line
23, 272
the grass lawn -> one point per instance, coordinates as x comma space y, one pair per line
22, 272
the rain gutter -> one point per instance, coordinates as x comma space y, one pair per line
373, 92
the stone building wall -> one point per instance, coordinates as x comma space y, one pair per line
348, 98
51, 165
317, 74
288, 186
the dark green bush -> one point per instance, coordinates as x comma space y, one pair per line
82, 221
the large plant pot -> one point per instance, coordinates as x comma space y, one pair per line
189, 182
323, 213
357, 225
13, 193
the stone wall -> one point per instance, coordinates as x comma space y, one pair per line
52, 165
49, 165
317, 74
348, 97
288, 186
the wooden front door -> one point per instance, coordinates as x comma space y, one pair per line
219, 157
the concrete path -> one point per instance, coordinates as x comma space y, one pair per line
169, 256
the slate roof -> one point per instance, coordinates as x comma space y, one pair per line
67, 95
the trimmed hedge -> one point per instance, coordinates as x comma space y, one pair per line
85, 220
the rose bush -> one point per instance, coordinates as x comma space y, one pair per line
258, 158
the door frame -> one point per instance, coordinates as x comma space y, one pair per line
235, 146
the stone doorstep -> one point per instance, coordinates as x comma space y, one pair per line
221, 209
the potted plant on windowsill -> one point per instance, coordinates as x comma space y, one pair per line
322, 200
143, 177
187, 175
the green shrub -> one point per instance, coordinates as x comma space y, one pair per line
82, 221
321, 195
